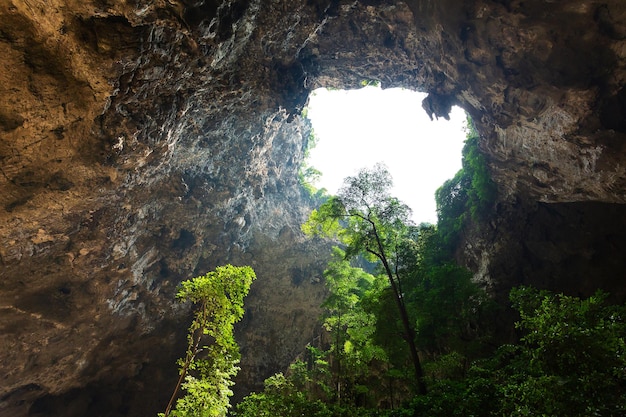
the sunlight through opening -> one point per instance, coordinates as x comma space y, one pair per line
358, 128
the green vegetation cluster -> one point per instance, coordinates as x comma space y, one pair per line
410, 334
212, 355
468, 196
571, 362
308, 175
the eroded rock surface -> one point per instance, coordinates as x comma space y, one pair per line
145, 142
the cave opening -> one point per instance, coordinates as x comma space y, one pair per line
356, 129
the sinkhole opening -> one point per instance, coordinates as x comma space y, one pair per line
356, 129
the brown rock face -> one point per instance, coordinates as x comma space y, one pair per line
145, 142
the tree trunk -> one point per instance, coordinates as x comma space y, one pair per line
409, 333
189, 357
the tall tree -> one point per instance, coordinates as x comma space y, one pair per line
206, 371
371, 223
350, 326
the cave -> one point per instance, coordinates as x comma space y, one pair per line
146, 142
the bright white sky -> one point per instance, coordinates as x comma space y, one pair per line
358, 128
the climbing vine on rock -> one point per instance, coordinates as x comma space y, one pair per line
212, 355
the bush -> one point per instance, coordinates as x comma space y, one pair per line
574, 354
571, 362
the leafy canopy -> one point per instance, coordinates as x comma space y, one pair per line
364, 216
371, 223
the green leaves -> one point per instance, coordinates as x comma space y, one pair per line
446, 304
575, 354
206, 381
366, 191
324, 221
570, 361
468, 195
350, 327
364, 216
572, 337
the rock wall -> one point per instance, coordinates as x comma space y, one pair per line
145, 142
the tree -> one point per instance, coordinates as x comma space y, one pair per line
350, 327
446, 305
206, 370
574, 353
569, 362
371, 223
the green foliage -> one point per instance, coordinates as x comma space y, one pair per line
388, 331
482, 192
448, 398
570, 362
351, 329
324, 221
452, 208
370, 83
422, 288
448, 307
563, 321
371, 224
309, 175
345, 317
282, 398
364, 216
468, 195
574, 354
448, 310
207, 378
